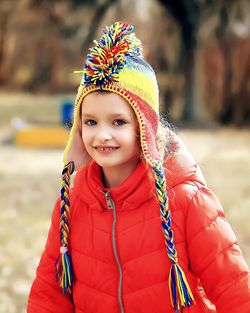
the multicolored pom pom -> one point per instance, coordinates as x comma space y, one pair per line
108, 57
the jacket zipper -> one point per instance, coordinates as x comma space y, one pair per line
111, 205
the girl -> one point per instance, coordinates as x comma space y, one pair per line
119, 248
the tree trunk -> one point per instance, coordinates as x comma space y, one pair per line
227, 107
186, 15
221, 33
56, 64
188, 108
96, 20
3, 28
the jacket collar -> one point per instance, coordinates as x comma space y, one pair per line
132, 192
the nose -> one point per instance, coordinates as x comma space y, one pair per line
103, 134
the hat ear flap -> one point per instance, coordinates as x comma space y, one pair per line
180, 292
75, 150
63, 265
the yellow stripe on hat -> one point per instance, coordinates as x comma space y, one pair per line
141, 84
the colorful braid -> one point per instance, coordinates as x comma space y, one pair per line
63, 265
180, 292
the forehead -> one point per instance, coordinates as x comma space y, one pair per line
105, 102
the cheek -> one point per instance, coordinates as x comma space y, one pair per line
86, 136
138, 139
132, 139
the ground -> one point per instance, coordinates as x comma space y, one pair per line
30, 181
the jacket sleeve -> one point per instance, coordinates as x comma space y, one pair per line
215, 256
46, 295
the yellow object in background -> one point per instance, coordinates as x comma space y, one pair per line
42, 136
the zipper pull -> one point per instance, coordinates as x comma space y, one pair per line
108, 200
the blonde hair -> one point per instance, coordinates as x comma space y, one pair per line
163, 144
163, 137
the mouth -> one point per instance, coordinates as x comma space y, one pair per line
105, 148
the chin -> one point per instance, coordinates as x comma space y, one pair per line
108, 163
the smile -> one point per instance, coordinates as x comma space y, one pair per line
106, 149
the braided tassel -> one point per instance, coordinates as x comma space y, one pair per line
63, 265
180, 292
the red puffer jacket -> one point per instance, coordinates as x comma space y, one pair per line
119, 256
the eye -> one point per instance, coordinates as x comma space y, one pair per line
90, 122
119, 122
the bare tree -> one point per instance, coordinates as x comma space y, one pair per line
6, 10
189, 15
100, 9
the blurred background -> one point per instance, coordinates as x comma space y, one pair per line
200, 50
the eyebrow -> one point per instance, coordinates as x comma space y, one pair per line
87, 115
114, 115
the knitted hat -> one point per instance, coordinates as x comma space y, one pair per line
116, 64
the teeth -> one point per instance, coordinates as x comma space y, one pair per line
106, 149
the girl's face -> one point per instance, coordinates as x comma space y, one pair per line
109, 131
